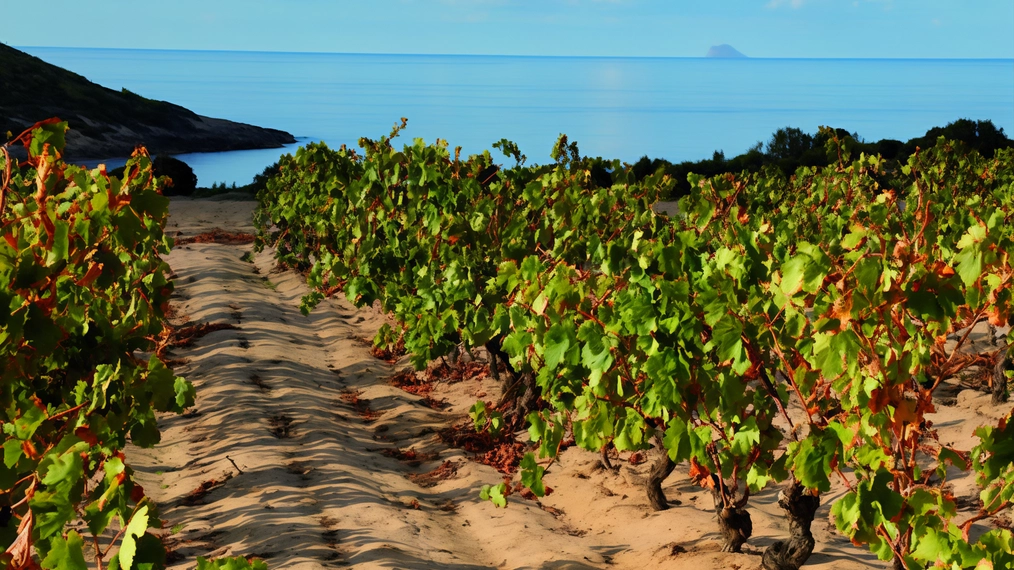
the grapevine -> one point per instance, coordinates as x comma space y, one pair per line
776, 329
85, 292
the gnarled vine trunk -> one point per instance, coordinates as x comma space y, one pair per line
606, 462
1004, 364
526, 398
734, 521
800, 507
660, 469
520, 392
494, 369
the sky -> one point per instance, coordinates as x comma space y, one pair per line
652, 28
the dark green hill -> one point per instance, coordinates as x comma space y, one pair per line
107, 123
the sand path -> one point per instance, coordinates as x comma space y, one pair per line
283, 456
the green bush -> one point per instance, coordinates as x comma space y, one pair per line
184, 181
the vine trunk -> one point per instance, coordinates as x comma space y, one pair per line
800, 507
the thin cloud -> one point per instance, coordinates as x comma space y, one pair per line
791, 3
774, 4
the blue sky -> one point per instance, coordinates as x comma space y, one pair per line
682, 28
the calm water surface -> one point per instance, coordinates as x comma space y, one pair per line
623, 108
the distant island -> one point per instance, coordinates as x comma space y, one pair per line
724, 50
106, 123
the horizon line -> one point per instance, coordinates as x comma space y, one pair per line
558, 56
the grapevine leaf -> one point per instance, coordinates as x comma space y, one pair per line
65, 470
494, 494
135, 528
932, 545
24, 429
66, 553
531, 475
678, 440
557, 344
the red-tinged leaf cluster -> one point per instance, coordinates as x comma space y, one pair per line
501, 453
185, 336
409, 381
421, 383
510, 488
199, 493
434, 404
505, 456
452, 374
409, 456
389, 353
446, 470
360, 405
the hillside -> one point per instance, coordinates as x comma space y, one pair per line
108, 123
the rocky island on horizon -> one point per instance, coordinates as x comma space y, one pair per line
724, 51
106, 123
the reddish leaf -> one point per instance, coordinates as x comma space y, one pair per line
86, 435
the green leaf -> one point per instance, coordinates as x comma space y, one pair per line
494, 494
948, 455
793, 273
629, 430
531, 475
557, 343
853, 239
52, 134
757, 478
66, 553
12, 452
969, 265
41, 331
812, 461
135, 528
747, 436
595, 354
478, 414
25, 426
536, 426
883, 496
65, 470
678, 440
932, 545
728, 336
969, 260
61, 243
151, 204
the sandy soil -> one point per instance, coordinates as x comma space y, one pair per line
283, 456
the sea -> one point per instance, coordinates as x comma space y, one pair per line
673, 108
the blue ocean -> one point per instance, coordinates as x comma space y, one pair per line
673, 108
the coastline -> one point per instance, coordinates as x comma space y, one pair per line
105, 122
